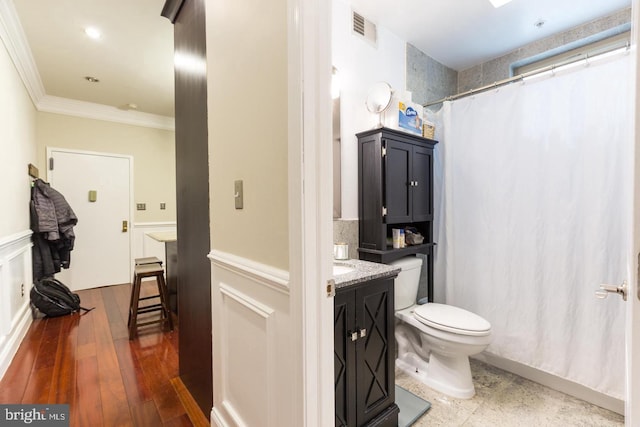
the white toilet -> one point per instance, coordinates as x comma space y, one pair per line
435, 340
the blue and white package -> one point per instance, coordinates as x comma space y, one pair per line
409, 118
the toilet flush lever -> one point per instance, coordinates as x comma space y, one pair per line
605, 289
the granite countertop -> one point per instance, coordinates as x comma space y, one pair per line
363, 271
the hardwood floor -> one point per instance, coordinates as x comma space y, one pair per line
88, 362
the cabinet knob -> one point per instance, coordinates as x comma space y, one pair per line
354, 336
363, 333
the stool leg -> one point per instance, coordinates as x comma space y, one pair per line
164, 299
133, 309
133, 281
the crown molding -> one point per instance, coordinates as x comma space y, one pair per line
90, 110
15, 41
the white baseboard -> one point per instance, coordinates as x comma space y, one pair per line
9, 343
552, 381
217, 420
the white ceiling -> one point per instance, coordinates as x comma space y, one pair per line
463, 33
133, 60
134, 57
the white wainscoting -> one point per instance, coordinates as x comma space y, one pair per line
143, 245
16, 280
251, 336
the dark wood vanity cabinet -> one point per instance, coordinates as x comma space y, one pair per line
364, 355
395, 190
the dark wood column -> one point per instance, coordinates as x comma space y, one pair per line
192, 186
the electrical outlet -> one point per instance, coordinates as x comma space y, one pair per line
163, 206
141, 206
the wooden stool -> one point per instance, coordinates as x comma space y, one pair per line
141, 272
148, 260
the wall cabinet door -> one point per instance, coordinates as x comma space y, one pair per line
408, 187
398, 163
364, 355
422, 184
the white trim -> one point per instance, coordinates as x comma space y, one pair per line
552, 381
233, 414
90, 110
632, 324
15, 41
260, 309
217, 419
9, 344
263, 317
15, 321
310, 208
266, 275
15, 238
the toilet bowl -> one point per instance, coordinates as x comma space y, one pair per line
435, 340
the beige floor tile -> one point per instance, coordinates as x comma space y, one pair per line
505, 399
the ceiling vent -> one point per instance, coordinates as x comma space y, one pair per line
364, 28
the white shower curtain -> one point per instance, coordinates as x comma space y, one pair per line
536, 214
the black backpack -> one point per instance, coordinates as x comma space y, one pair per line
53, 298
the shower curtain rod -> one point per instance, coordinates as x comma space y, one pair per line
519, 77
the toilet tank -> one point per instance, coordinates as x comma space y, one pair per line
406, 284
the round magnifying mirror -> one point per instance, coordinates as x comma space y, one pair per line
379, 99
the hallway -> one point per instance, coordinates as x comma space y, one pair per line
88, 361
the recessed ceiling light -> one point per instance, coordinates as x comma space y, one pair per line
91, 79
93, 33
498, 3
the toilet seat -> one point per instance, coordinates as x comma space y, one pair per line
452, 319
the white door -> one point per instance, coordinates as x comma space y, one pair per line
101, 254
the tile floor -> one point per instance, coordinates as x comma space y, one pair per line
505, 399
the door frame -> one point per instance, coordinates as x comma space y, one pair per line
310, 208
50, 151
632, 324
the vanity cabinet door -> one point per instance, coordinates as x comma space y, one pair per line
344, 319
364, 355
375, 350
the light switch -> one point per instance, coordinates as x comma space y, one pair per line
238, 195
93, 195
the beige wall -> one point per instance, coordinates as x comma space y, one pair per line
17, 148
153, 151
247, 102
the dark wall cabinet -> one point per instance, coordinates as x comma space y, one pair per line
395, 190
364, 355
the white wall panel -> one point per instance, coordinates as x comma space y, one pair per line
251, 327
15, 284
